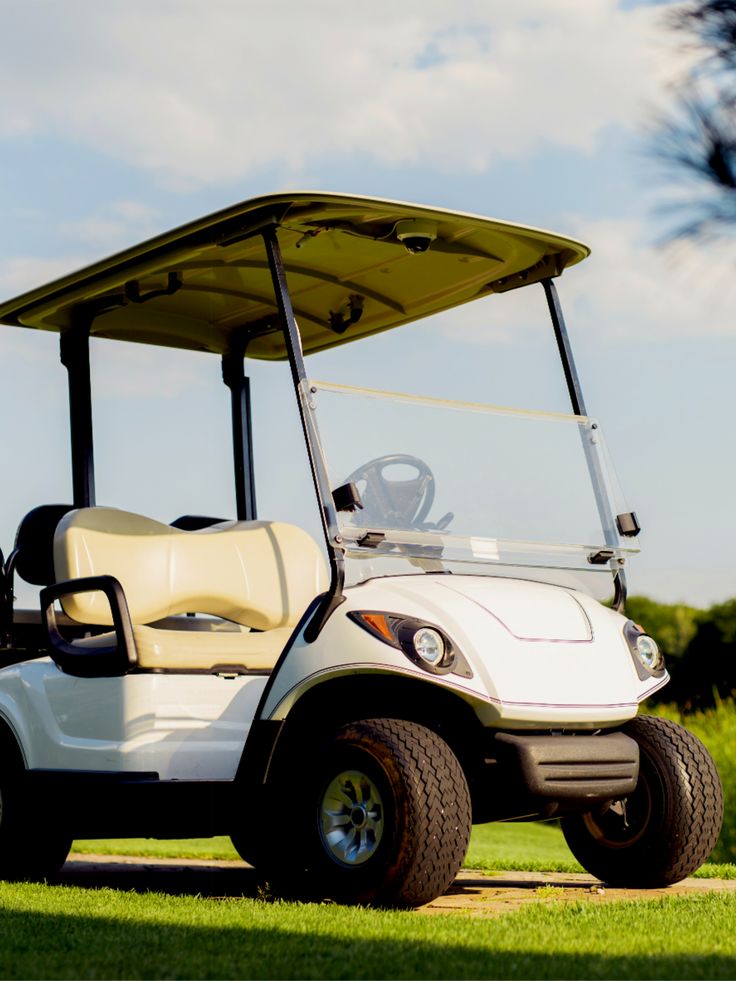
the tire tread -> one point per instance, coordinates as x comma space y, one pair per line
695, 829
691, 812
441, 839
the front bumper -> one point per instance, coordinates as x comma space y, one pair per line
570, 767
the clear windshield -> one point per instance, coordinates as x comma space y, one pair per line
454, 482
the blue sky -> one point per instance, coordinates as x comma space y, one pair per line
120, 120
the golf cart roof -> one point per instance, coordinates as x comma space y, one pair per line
207, 285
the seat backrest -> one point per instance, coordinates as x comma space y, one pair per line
34, 543
262, 574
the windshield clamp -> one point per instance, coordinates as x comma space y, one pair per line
602, 557
371, 539
347, 498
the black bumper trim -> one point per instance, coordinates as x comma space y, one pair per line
568, 767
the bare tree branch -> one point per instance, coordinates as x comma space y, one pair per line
712, 25
697, 143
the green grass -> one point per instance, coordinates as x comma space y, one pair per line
716, 870
537, 847
204, 848
532, 847
493, 847
65, 932
69, 932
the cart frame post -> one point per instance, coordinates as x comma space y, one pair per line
305, 403
74, 353
233, 375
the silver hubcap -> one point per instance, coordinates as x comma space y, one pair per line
351, 818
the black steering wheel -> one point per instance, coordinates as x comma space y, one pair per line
395, 503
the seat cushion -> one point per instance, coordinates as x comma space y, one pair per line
195, 650
191, 650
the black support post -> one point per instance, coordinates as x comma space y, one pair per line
334, 596
564, 347
578, 407
233, 375
74, 350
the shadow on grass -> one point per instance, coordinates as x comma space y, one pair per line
51, 945
171, 879
137, 920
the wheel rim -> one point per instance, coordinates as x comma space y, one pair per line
625, 821
351, 818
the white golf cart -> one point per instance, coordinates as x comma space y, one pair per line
345, 710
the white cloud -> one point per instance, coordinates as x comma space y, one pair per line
628, 289
23, 348
115, 226
21, 273
199, 97
119, 370
501, 319
132, 371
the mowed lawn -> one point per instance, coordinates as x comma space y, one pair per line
536, 847
68, 932
71, 932
492, 846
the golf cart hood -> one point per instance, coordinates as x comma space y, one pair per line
539, 654
351, 272
537, 612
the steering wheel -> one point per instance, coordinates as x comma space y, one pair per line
395, 503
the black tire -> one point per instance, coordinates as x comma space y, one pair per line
30, 847
668, 827
387, 818
245, 846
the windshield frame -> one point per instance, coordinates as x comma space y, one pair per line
336, 546
362, 411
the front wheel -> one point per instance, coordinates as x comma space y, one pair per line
669, 825
388, 816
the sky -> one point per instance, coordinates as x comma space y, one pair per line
120, 120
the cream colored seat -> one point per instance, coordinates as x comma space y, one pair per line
259, 575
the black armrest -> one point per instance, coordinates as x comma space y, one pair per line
90, 661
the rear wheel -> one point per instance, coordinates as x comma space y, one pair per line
29, 848
669, 825
387, 817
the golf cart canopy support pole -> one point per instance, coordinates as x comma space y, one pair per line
605, 505
74, 351
305, 402
565, 349
233, 375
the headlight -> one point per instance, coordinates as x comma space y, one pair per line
648, 652
423, 643
429, 645
644, 649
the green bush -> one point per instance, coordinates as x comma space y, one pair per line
699, 648
707, 669
673, 625
716, 728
